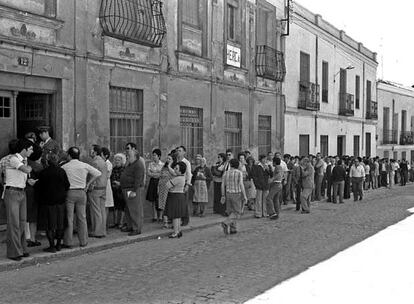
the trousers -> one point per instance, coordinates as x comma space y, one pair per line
134, 210
97, 210
76, 201
273, 198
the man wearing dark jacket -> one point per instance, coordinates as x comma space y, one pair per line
260, 174
328, 173
338, 181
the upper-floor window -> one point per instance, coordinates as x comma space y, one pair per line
369, 91
325, 82
192, 33
357, 91
39, 7
304, 67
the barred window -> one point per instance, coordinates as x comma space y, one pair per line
33, 109
5, 107
265, 134
126, 117
191, 124
191, 13
233, 131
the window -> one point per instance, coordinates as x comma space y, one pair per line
231, 22
395, 155
386, 154
50, 8
233, 131
356, 145
368, 91
303, 145
265, 134
324, 145
403, 155
191, 14
304, 67
39, 7
191, 124
126, 117
357, 91
325, 83
368, 144
5, 107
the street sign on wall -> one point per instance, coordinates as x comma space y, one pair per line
233, 55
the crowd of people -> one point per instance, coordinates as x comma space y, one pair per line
52, 190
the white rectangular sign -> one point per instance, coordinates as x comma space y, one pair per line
233, 55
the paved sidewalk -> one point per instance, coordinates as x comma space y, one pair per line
116, 238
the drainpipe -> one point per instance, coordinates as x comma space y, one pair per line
316, 82
364, 104
74, 75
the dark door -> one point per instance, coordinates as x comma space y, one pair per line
368, 144
356, 145
303, 145
33, 110
340, 145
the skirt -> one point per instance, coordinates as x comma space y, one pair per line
152, 191
177, 206
53, 217
200, 192
119, 200
32, 207
218, 207
109, 201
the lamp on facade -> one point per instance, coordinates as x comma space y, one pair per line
349, 67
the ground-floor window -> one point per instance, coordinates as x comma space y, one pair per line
404, 155
5, 107
304, 145
324, 145
265, 134
386, 154
395, 155
356, 145
126, 117
191, 124
233, 131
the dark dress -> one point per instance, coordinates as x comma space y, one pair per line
52, 187
347, 188
119, 201
32, 199
152, 191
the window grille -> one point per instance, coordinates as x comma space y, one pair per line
137, 21
5, 107
233, 131
126, 118
33, 109
265, 134
191, 124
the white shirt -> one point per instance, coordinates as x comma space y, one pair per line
284, 166
187, 173
77, 173
15, 177
357, 171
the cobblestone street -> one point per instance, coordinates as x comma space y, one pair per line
205, 266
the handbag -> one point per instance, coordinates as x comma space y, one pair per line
216, 172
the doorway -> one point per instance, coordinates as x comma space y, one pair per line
34, 110
340, 147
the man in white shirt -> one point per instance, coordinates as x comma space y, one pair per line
80, 176
16, 175
181, 152
357, 175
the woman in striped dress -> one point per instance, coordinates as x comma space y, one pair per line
167, 173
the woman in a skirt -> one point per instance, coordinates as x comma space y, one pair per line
154, 172
217, 171
109, 197
119, 201
52, 186
201, 183
177, 207
167, 173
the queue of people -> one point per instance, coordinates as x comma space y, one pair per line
48, 189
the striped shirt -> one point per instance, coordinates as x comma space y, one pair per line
232, 180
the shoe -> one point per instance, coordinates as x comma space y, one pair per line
134, 232
154, 220
98, 236
226, 228
66, 246
50, 249
16, 258
175, 236
113, 226
25, 255
33, 244
126, 229
360, 198
274, 216
305, 212
83, 245
201, 215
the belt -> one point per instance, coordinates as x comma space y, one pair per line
14, 188
99, 188
83, 189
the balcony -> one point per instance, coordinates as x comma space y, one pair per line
406, 138
346, 104
137, 21
270, 63
372, 110
389, 137
308, 96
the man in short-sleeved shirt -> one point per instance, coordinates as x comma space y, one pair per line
16, 174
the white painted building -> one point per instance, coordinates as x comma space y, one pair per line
329, 89
396, 121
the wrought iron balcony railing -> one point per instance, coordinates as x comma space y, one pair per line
389, 137
346, 104
406, 138
270, 63
372, 110
137, 21
308, 96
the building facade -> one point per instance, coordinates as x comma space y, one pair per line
330, 90
396, 121
203, 73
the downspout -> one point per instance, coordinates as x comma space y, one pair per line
74, 75
364, 101
316, 82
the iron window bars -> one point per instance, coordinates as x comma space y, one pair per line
137, 21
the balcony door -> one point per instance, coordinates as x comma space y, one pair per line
342, 81
340, 147
368, 144
303, 145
